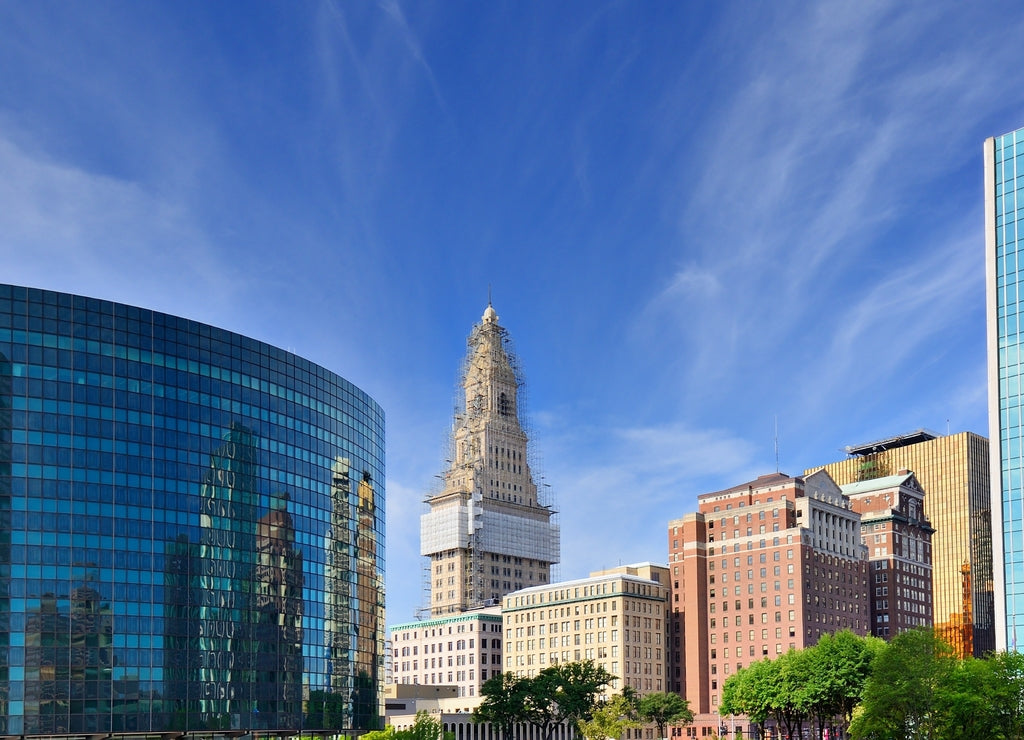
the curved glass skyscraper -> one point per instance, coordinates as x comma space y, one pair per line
191, 529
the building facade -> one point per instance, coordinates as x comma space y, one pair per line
760, 569
1004, 245
954, 472
898, 537
193, 529
461, 650
616, 618
488, 531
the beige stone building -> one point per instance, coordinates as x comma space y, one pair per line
617, 618
953, 470
488, 531
757, 570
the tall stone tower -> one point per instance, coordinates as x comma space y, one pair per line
487, 532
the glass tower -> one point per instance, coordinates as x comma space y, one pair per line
181, 550
1004, 249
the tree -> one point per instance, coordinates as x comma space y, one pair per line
899, 700
788, 691
388, 733
564, 693
424, 727
503, 698
1008, 693
610, 720
840, 666
770, 688
747, 692
964, 703
665, 709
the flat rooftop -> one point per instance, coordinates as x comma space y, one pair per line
902, 440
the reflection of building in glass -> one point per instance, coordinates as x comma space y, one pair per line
227, 521
369, 629
69, 653
154, 578
487, 532
277, 619
338, 626
181, 648
953, 471
355, 588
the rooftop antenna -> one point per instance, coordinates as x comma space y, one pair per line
776, 443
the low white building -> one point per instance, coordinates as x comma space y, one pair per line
461, 650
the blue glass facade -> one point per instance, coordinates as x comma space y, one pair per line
191, 529
1004, 222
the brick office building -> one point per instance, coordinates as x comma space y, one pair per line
757, 570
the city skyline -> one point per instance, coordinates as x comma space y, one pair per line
700, 225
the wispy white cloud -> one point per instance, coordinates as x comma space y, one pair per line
617, 487
414, 47
888, 326
66, 228
817, 151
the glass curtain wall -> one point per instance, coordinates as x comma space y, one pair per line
191, 529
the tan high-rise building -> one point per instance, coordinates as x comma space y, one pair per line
953, 470
617, 618
487, 532
760, 569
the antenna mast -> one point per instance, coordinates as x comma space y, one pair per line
776, 443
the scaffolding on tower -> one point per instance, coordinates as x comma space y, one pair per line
488, 516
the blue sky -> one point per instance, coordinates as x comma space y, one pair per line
695, 218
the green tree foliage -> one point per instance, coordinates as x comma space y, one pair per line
1008, 693
610, 720
773, 689
748, 692
424, 727
900, 697
822, 684
963, 701
840, 666
790, 702
564, 693
503, 698
388, 733
664, 709
912, 688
